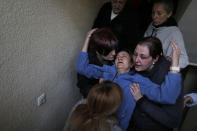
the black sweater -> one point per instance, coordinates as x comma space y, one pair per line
153, 116
125, 26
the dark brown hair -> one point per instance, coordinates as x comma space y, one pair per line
154, 46
103, 41
102, 102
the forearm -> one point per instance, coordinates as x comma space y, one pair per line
86, 43
86, 69
167, 93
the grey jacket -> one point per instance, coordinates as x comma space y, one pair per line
165, 34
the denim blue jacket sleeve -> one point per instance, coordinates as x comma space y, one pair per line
126, 109
167, 93
194, 97
86, 69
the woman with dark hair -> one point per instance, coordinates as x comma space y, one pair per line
165, 28
101, 50
99, 114
148, 115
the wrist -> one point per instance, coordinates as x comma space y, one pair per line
139, 101
174, 69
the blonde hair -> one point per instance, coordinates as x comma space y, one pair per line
102, 103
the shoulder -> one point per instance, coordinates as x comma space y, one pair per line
116, 128
160, 70
171, 29
107, 5
149, 29
113, 122
163, 63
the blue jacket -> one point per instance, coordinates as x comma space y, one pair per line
162, 94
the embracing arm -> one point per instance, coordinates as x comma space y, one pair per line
83, 66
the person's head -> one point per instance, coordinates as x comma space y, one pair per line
162, 10
147, 53
117, 5
104, 43
123, 61
104, 99
102, 103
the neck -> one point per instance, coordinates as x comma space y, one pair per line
151, 67
121, 71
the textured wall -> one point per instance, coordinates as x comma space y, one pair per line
188, 26
39, 43
182, 6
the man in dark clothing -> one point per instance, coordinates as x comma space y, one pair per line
122, 20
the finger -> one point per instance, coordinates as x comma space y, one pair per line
138, 86
92, 31
132, 91
131, 87
172, 44
135, 85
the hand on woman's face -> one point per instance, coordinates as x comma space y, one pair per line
159, 14
142, 59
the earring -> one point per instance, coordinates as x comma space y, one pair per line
153, 63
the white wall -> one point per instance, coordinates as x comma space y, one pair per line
188, 26
39, 43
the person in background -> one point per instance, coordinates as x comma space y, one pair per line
190, 100
102, 45
122, 20
99, 113
150, 62
164, 27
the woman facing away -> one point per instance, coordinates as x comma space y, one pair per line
101, 50
165, 27
149, 62
99, 114
121, 74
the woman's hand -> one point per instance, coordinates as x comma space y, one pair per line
188, 100
135, 90
169, 58
86, 43
176, 54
